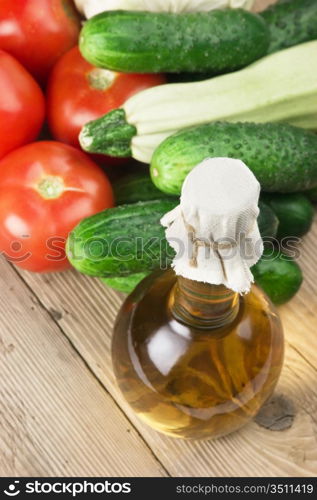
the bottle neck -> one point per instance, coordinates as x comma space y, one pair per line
202, 305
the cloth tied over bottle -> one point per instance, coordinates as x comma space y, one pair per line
214, 229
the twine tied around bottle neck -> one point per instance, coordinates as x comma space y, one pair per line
213, 245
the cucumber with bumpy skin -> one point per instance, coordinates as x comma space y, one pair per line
267, 221
294, 211
278, 275
147, 42
125, 284
312, 194
136, 187
129, 239
291, 22
282, 157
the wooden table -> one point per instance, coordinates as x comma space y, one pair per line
61, 412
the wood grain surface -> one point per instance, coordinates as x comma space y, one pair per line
61, 412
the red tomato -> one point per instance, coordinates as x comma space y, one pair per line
38, 32
22, 105
46, 188
79, 92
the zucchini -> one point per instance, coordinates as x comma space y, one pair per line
125, 284
129, 239
282, 157
279, 87
136, 187
294, 211
278, 275
147, 42
291, 22
92, 7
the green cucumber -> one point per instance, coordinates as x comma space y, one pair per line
312, 194
136, 187
267, 221
119, 241
188, 77
282, 157
291, 22
125, 284
129, 239
147, 42
278, 275
294, 211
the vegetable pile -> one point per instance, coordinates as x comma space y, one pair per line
48, 92
79, 104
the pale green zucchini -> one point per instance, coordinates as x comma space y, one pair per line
93, 7
279, 87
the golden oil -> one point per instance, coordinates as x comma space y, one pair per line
196, 360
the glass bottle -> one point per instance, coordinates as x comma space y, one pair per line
195, 359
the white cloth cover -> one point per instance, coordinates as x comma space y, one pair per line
92, 7
214, 229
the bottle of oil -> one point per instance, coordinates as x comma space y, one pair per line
194, 354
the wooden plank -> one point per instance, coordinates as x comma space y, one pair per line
300, 315
56, 419
262, 4
86, 309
